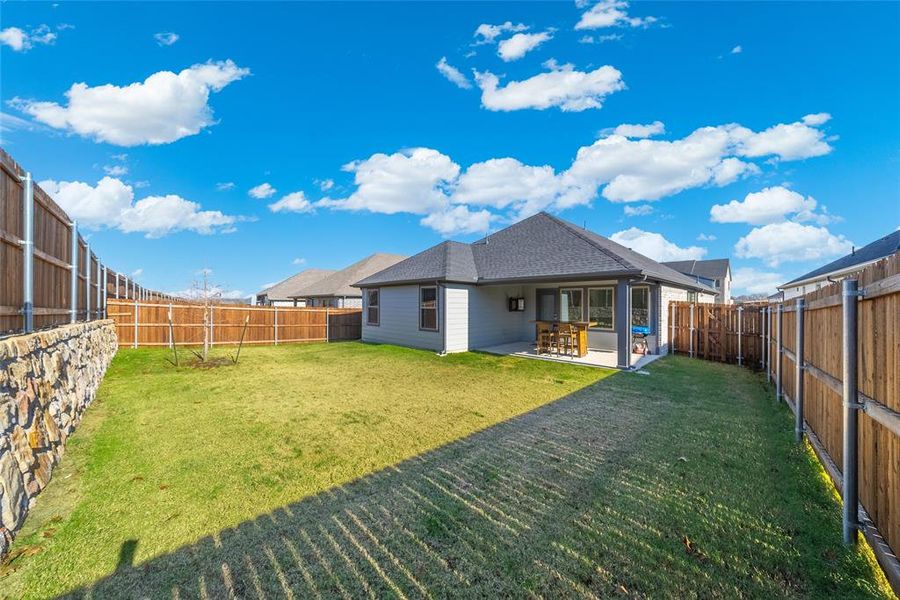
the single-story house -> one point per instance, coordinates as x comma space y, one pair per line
455, 297
280, 293
841, 268
715, 273
336, 289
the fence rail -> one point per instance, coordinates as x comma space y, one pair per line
48, 273
145, 324
834, 357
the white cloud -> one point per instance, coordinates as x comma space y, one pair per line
325, 184
520, 44
501, 182
640, 131
786, 141
262, 191
655, 245
641, 210
21, 41
737, 50
458, 220
789, 241
115, 170
296, 261
224, 186
137, 273
486, 34
561, 86
409, 181
165, 38
295, 202
163, 108
748, 280
453, 74
611, 13
706, 237
424, 181
119, 157
111, 204
770, 205
816, 119
599, 39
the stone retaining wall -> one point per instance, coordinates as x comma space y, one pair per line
47, 380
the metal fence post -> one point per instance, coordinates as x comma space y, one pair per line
851, 406
691, 331
276, 325
105, 289
87, 283
768, 344
740, 312
73, 280
99, 309
779, 344
798, 372
27, 242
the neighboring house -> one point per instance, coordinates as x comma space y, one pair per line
336, 290
280, 293
456, 297
716, 273
841, 268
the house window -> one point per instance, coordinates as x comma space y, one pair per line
601, 310
571, 304
692, 296
428, 308
640, 307
373, 298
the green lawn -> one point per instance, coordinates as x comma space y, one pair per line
353, 470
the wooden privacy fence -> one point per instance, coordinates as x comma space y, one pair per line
48, 274
833, 356
720, 332
142, 324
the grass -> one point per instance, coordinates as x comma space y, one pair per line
285, 476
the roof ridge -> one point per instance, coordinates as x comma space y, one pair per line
574, 230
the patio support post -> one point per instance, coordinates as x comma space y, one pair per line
798, 373
851, 407
623, 325
779, 343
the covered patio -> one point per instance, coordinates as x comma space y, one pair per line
606, 359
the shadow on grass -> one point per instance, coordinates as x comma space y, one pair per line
560, 501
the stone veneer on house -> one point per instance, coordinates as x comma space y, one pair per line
47, 380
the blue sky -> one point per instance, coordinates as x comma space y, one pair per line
768, 133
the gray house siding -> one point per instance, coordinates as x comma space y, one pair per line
490, 320
399, 321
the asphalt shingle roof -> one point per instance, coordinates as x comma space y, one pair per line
283, 290
539, 247
340, 283
714, 268
880, 248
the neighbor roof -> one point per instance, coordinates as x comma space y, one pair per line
339, 283
539, 247
284, 290
714, 268
880, 248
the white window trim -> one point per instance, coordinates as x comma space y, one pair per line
437, 308
612, 289
580, 290
377, 306
649, 303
